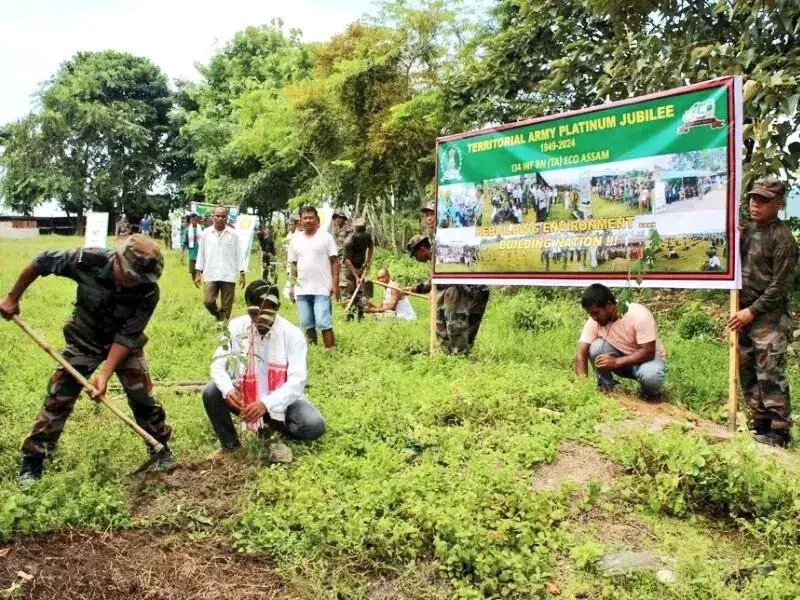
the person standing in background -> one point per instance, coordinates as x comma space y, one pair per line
219, 260
190, 240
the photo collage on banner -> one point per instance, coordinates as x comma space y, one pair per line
579, 197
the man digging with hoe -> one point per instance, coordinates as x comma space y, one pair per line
117, 294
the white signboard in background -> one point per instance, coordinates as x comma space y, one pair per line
176, 223
96, 230
244, 227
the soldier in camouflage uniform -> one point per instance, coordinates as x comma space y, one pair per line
769, 256
459, 308
340, 230
117, 293
428, 213
356, 259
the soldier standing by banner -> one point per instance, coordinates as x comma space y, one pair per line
428, 219
769, 256
117, 294
459, 308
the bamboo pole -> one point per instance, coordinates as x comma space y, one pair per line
733, 366
432, 321
157, 446
402, 291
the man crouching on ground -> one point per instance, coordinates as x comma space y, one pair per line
624, 345
274, 375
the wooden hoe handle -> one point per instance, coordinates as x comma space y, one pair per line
156, 445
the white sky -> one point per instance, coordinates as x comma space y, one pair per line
36, 36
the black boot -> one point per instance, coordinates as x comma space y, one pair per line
163, 462
759, 426
30, 471
778, 439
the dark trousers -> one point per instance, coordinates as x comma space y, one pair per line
226, 292
63, 390
303, 420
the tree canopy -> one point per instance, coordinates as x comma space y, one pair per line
276, 121
96, 142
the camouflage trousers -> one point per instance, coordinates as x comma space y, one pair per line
348, 287
269, 268
762, 369
459, 312
63, 390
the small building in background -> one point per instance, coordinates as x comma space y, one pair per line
46, 218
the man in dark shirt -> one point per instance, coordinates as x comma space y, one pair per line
267, 244
117, 294
356, 258
769, 256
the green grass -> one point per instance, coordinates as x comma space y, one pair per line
424, 475
690, 257
602, 208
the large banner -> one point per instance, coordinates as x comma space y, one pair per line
580, 197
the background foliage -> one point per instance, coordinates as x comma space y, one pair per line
276, 122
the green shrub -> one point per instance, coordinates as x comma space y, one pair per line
529, 313
694, 324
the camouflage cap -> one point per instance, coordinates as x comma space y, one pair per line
293, 218
140, 258
415, 242
768, 187
428, 208
339, 213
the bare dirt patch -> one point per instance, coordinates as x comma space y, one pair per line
577, 464
615, 530
657, 416
206, 488
87, 566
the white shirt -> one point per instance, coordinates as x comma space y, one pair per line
313, 257
403, 308
219, 256
280, 363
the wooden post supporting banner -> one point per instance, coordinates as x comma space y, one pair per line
733, 366
432, 317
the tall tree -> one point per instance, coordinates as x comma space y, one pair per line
258, 60
541, 57
97, 140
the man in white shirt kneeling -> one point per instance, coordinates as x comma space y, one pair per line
269, 389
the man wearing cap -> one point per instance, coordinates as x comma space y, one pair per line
340, 230
356, 259
117, 294
220, 261
428, 212
267, 389
459, 308
769, 256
